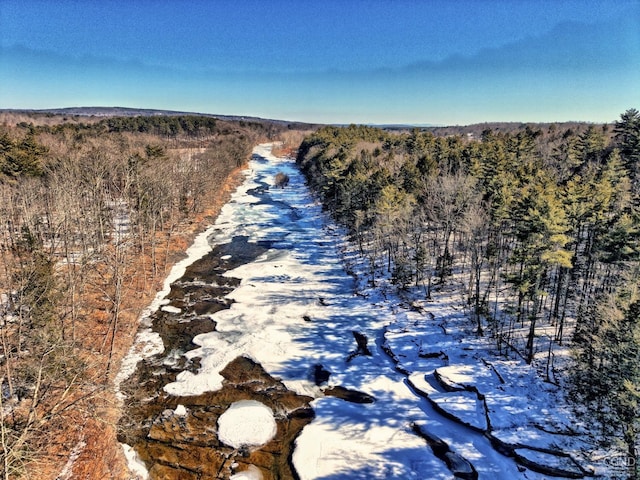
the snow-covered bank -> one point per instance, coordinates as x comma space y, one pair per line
295, 313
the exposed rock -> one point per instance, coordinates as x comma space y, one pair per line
459, 466
499, 445
406, 342
178, 332
186, 445
210, 268
548, 460
352, 396
421, 385
388, 350
439, 354
181, 458
480, 397
165, 471
439, 446
183, 293
190, 299
194, 429
494, 369
320, 374
362, 343
261, 458
281, 180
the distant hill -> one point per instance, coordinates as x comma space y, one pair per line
148, 112
109, 112
475, 130
471, 131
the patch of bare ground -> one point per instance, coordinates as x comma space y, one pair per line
81, 443
291, 140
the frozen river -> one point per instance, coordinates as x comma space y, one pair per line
267, 283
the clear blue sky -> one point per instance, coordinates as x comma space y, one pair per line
333, 61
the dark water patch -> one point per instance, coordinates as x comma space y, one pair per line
210, 268
259, 158
242, 251
178, 332
320, 374
211, 306
362, 342
199, 299
260, 190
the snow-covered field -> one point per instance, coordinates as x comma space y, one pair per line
296, 308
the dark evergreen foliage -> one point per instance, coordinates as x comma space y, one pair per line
543, 221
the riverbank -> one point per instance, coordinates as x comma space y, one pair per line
90, 431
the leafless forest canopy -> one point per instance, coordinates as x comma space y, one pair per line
92, 210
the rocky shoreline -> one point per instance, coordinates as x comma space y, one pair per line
176, 436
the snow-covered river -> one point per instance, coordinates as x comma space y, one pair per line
293, 311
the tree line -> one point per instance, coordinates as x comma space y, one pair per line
540, 224
86, 214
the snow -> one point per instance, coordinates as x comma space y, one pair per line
463, 405
246, 423
67, 470
180, 411
170, 309
296, 308
252, 473
460, 377
355, 441
562, 463
136, 466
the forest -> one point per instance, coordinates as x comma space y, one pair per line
92, 212
539, 225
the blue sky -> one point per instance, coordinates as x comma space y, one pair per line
333, 61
